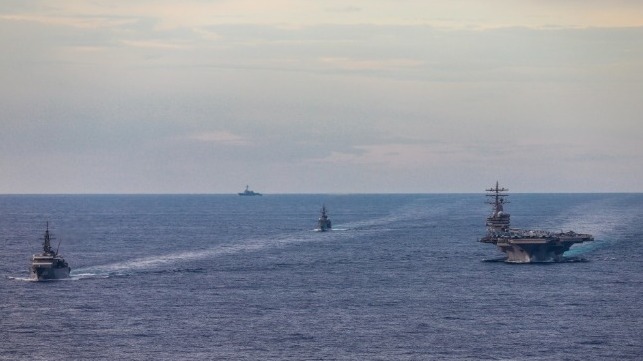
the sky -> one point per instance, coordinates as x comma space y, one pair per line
320, 96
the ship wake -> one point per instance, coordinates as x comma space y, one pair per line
175, 262
605, 219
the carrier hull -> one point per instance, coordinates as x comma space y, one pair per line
534, 250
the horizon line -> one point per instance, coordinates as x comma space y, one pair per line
303, 193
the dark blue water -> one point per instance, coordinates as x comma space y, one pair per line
216, 277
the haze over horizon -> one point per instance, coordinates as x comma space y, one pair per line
318, 96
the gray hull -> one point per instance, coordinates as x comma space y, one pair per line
533, 250
48, 273
324, 226
528, 253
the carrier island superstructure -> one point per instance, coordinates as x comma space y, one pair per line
521, 245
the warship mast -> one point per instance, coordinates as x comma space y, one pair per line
46, 244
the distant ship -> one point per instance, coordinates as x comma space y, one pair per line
248, 192
525, 246
323, 223
48, 265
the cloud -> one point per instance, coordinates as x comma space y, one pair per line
83, 22
221, 137
392, 156
319, 86
150, 44
461, 14
344, 9
370, 64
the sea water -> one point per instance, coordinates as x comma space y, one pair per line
401, 277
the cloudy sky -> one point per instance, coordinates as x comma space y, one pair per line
320, 96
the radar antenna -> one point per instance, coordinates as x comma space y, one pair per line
498, 195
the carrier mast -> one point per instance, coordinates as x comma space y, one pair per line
498, 221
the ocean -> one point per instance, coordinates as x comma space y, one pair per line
401, 277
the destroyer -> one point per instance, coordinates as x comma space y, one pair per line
48, 265
323, 223
525, 246
248, 192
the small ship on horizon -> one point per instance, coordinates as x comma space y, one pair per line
49, 265
323, 223
525, 246
248, 192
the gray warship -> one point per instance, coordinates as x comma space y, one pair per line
48, 265
525, 246
248, 192
323, 223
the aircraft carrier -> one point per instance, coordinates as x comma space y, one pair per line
525, 246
